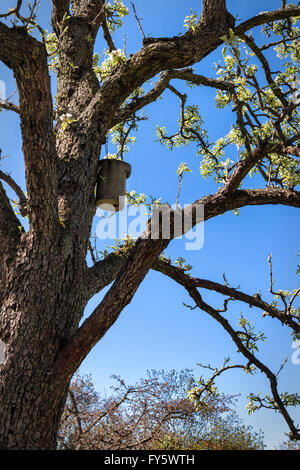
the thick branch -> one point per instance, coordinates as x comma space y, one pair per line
121, 293
253, 197
191, 77
36, 113
288, 150
107, 36
222, 202
213, 9
267, 17
137, 264
156, 55
244, 166
179, 276
28, 59
60, 8
167, 54
91, 11
104, 272
160, 86
15, 45
76, 81
147, 98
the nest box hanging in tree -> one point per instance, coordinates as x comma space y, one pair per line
111, 184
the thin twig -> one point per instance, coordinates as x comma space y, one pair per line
138, 20
280, 294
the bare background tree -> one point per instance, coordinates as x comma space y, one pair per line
45, 282
154, 413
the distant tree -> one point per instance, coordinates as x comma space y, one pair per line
154, 413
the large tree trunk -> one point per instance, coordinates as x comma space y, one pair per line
40, 308
31, 405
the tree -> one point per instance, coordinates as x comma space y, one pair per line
45, 279
154, 413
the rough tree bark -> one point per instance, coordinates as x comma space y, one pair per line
44, 281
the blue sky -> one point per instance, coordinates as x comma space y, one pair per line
156, 331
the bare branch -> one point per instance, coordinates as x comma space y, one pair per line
22, 199
251, 358
138, 20
160, 54
248, 355
182, 98
281, 41
162, 84
76, 412
29, 20
289, 307
206, 387
13, 11
147, 98
178, 275
4, 104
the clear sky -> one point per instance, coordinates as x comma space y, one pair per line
156, 331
